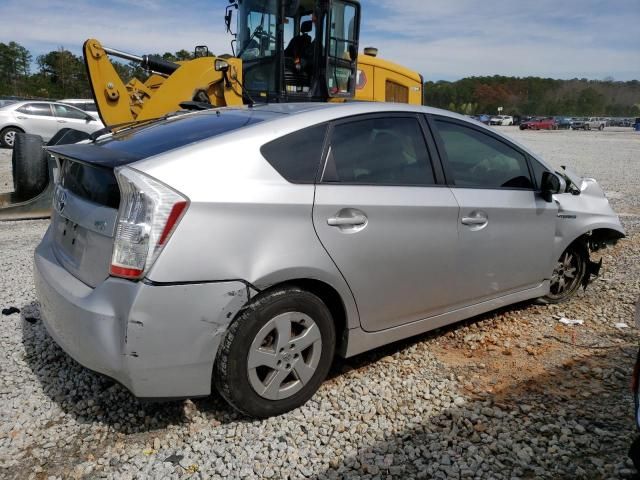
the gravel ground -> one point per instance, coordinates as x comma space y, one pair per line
511, 394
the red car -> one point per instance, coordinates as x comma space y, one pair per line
547, 123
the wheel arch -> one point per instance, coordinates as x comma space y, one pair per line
15, 127
593, 238
330, 297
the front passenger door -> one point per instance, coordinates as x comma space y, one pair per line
384, 220
506, 228
38, 119
71, 117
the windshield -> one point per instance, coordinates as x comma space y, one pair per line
257, 25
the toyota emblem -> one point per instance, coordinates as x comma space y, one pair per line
61, 200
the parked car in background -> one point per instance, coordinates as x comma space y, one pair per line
44, 119
564, 123
579, 123
595, 123
503, 120
88, 105
483, 118
335, 229
545, 123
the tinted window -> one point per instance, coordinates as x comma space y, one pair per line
538, 170
297, 156
40, 109
69, 112
160, 137
476, 159
96, 184
380, 151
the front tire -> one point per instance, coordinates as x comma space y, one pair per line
568, 274
276, 354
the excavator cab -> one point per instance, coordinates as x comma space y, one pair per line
297, 50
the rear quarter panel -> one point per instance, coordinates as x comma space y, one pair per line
244, 222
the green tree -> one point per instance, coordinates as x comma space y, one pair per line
15, 61
66, 74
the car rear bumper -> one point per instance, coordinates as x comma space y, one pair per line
159, 341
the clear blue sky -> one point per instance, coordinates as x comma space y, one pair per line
442, 39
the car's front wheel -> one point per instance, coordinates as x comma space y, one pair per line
276, 354
568, 274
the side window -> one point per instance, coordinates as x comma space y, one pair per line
66, 111
538, 170
39, 109
476, 159
379, 151
297, 156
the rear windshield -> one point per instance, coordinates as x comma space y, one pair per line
147, 141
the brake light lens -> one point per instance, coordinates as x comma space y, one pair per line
148, 215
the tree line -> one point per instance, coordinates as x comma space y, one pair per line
536, 96
61, 74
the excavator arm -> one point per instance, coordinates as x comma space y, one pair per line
167, 87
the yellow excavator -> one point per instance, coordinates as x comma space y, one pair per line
283, 51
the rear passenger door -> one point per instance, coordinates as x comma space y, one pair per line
385, 220
506, 228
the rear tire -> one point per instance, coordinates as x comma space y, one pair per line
8, 135
276, 354
568, 274
29, 164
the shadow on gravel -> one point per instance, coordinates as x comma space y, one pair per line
94, 398
575, 421
91, 397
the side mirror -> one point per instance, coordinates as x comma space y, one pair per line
89, 118
201, 51
550, 185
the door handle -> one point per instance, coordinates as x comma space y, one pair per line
355, 221
62, 121
20, 117
474, 220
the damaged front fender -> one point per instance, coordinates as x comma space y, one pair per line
585, 213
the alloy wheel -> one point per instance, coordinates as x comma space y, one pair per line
284, 355
9, 138
566, 275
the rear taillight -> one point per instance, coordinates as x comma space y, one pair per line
148, 214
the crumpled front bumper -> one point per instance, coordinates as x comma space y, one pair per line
159, 341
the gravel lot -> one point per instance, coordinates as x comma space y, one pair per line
510, 394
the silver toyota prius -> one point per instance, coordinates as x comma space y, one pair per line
243, 248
